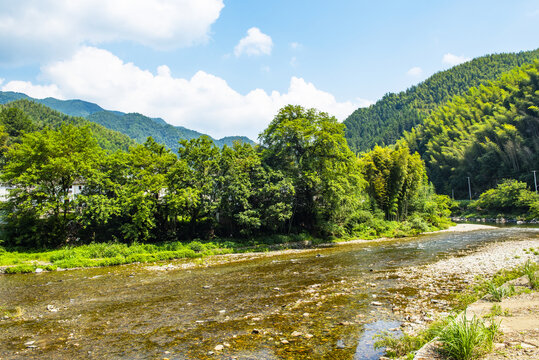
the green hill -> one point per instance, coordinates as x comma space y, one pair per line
137, 126
384, 122
78, 108
42, 116
488, 134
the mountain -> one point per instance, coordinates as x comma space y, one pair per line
78, 108
488, 134
42, 116
138, 127
384, 122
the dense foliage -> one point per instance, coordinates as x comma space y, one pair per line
489, 134
136, 126
23, 115
398, 186
302, 178
384, 122
509, 197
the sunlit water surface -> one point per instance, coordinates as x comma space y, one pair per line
251, 308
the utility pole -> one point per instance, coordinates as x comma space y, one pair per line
535, 180
469, 188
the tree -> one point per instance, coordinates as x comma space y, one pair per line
41, 171
309, 148
193, 196
252, 197
394, 177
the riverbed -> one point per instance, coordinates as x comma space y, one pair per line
314, 304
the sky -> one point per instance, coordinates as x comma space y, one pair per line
226, 67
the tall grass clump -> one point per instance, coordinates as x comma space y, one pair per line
497, 292
530, 270
464, 339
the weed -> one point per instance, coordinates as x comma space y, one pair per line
406, 344
529, 270
465, 339
498, 292
497, 310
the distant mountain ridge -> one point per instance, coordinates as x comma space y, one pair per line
386, 121
137, 126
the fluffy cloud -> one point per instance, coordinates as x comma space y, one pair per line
35, 91
415, 71
452, 60
41, 28
255, 43
204, 102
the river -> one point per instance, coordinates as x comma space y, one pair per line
314, 304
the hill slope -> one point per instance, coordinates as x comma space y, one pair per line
488, 134
384, 122
136, 126
43, 116
139, 127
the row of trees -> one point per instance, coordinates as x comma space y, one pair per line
301, 178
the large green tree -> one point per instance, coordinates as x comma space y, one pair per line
309, 148
41, 170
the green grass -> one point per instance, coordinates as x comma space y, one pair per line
464, 339
530, 270
498, 292
406, 344
116, 253
481, 288
496, 310
107, 254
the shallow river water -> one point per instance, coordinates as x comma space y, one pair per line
315, 304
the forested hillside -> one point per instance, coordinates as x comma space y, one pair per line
489, 134
384, 122
26, 116
139, 127
69, 107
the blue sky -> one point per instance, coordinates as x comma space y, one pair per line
226, 67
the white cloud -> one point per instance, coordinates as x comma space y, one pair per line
204, 102
35, 91
254, 44
44, 28
294, 61
452, 60
415, 71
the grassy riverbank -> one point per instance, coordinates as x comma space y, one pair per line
506, 301
20, 260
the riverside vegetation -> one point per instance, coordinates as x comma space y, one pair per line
461, 337
301, 181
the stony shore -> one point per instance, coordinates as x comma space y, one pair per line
437, 281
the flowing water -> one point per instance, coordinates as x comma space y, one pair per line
315, 304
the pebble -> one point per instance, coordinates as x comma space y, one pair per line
376, 303
296, 334
218, 347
